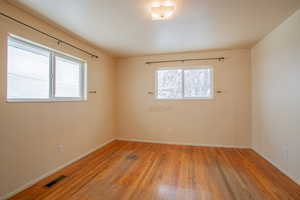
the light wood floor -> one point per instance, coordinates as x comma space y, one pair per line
142, 171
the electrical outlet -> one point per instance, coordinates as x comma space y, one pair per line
169, 130
60, 147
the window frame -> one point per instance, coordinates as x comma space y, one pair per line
52, 65
82, 77
182, 82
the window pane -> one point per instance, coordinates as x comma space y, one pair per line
27, 71
169, 84
67, 78
197, 83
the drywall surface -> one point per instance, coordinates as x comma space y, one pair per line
276, 97
31, 133
222, 121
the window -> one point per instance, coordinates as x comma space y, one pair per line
169, 84
184, 83
35, 73
68, 75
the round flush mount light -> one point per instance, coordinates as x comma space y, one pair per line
162, 9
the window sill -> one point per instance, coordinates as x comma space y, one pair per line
43, 100
187, 99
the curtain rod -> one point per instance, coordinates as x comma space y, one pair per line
51, 36
165, 61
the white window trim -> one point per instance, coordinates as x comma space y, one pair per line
182, 96
53, 53
82, 77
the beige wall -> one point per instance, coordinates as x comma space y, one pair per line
276, 96
222, 121
31, 132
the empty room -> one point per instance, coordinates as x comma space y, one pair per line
149, 100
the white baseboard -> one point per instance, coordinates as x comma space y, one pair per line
34, 181
179, 143
277, 166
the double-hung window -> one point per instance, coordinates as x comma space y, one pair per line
195, 83
35, 73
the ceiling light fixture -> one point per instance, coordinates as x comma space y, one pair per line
162, 9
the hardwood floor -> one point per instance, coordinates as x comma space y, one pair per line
142, 171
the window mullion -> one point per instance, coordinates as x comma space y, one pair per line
52, 83
182, 84
50, 76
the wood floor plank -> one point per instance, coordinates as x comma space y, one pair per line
133, 171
